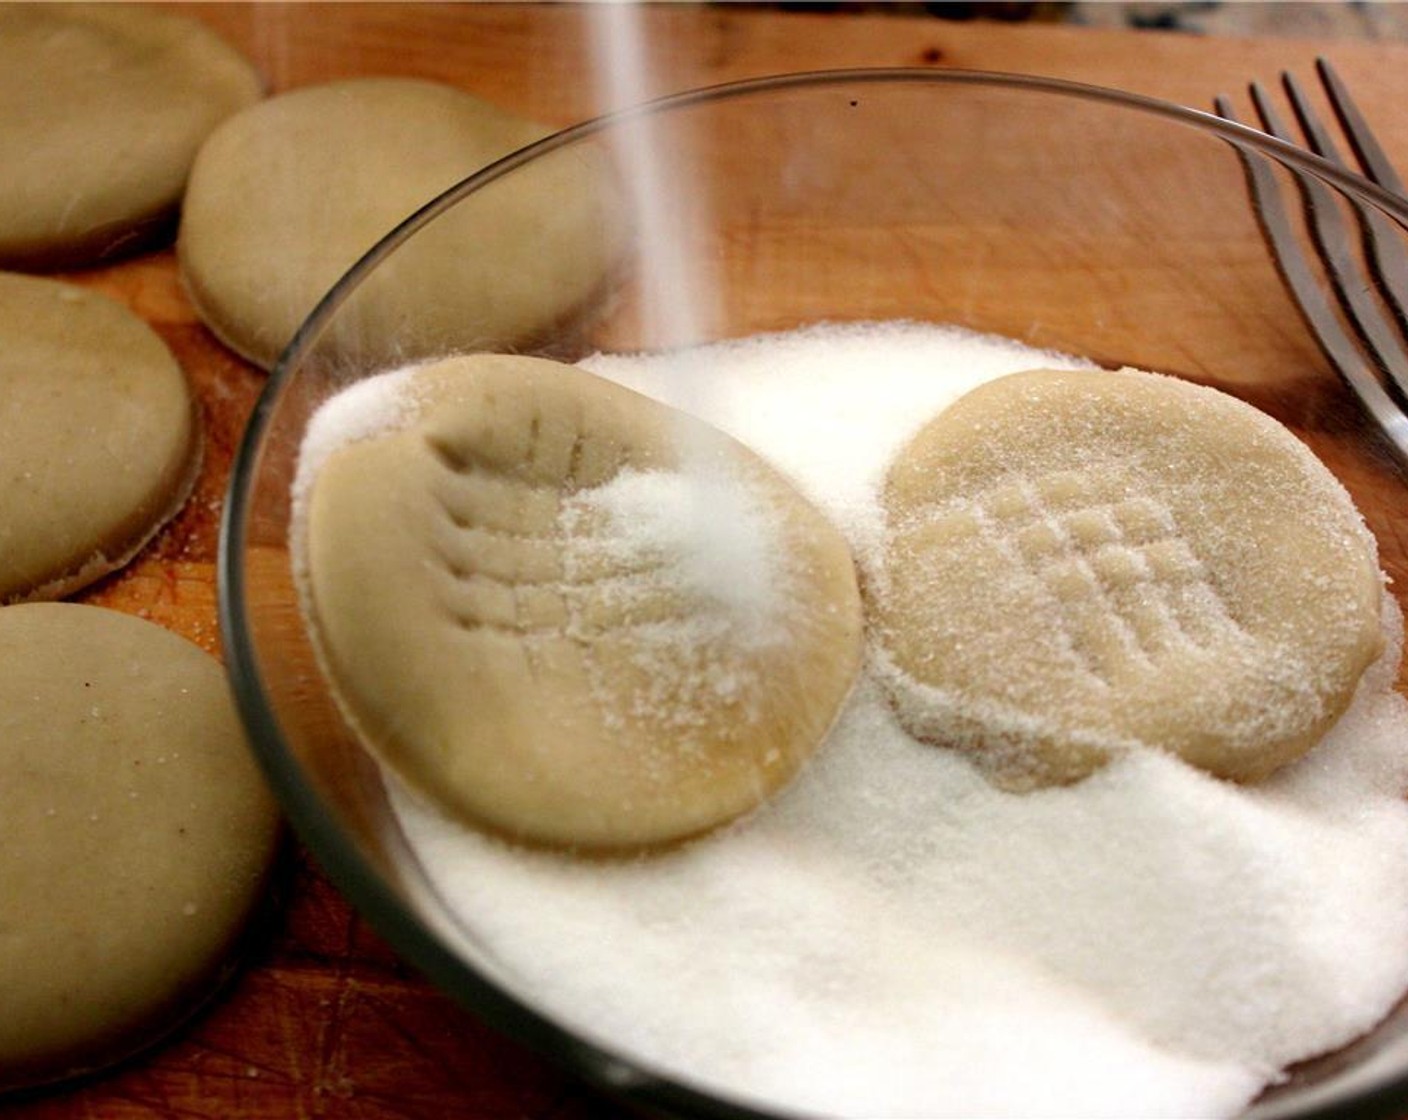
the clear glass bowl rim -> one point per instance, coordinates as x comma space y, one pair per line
344, 864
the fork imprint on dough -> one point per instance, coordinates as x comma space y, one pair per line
1127, 586
522, 615
1080, 562
535, 582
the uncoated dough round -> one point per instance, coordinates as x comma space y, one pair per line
286, 196
102, 108
135, 835
1082, 562
99, 432
547, 668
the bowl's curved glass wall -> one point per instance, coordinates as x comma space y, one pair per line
1063, 217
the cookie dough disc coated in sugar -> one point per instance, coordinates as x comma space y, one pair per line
1082, 562
574, 615
287, 196
135, 835
100, 435
102, 108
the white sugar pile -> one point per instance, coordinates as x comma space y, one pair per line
362, 410
700, 533
695, 563
894, 937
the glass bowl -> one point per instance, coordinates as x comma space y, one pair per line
1067, 217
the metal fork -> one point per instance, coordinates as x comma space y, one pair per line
1372, 357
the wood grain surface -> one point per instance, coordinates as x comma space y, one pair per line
323, 1020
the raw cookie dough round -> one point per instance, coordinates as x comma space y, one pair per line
1079, 562
102, 108
100, 436
568, 612
135, 835
287, 196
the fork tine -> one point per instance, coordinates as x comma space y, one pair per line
1386, 248
1361, 138
1319, 136
1266, 110
1334, 239
1290, 262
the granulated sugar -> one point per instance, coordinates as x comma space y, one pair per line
892, 936
361, 411
699, 533
829, 406
694, 562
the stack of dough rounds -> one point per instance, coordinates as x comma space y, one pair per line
100, 436
102, 108
135, 835
1083, 562
545, 668
286, 196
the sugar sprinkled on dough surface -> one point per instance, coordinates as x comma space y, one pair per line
707, 533
542, 540
861, 400
1078, 561
894, 936
362, 410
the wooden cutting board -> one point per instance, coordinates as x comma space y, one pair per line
324, 1021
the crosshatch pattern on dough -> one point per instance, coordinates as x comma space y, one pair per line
1078, 563
1124, 585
